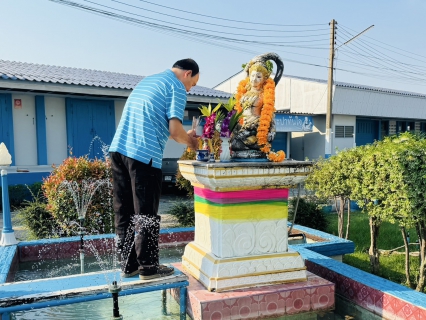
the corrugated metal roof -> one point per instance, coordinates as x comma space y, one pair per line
362, 87
22, 71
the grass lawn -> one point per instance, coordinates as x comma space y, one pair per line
392, 267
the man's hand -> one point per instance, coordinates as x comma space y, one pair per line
194, 139
178, 133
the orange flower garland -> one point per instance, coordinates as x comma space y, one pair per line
265, 119
241, 90
266, 115
276, 156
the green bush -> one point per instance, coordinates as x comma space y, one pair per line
39, 221
20, 193
184, 213
308, 214
79, 173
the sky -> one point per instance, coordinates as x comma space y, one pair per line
147, 37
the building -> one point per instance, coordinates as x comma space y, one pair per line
49, 112
360, 115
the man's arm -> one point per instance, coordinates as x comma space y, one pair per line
178, 133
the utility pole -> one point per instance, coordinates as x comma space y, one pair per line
330, 91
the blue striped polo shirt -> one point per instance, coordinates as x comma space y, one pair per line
144, 125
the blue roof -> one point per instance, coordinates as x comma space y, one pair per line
22, 71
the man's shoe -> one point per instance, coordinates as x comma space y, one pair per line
162, 271
130, 271
129, 274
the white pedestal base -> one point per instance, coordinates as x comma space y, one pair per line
222, 274
8, 239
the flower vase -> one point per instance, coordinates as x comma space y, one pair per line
225, 154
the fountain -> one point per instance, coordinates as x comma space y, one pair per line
114, 289
89, 287
82, 194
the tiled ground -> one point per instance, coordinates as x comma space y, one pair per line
260, 302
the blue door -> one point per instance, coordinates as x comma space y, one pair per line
366, 131
280, 142
90, 126
6, 124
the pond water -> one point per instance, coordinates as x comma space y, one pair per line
144, 306
64, 267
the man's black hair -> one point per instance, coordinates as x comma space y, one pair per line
187, 64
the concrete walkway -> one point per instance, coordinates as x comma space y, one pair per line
167, 221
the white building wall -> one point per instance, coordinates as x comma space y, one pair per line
118, 106
174, 149
24, 130
343, 143
315, 140
306, 96
56, 129
352, 101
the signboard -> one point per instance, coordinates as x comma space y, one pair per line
17, 104
291, 123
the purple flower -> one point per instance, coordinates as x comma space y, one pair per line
225, 130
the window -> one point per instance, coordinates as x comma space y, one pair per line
344, 131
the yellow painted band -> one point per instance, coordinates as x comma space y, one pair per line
243, 212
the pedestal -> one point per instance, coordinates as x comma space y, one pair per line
8, 235
241, 224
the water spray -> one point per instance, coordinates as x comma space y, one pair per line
81, 233
114, 289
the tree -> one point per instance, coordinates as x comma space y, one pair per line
331, 178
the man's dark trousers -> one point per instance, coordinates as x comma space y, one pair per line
136, 197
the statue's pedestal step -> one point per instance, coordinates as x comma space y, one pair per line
311, 296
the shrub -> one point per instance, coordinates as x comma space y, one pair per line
181, 182
35, 216
308, 214
60, 197
184, 213
21, 193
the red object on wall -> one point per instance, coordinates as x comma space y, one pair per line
17, 103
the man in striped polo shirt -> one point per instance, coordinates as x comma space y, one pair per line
153, 112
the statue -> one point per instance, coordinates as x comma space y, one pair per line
252, 137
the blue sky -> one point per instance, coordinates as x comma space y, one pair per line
50, 33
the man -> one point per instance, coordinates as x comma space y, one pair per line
153, 112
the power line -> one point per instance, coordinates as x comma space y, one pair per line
223, 32
402, 63
176, 30
396, 63
208, 23
232, 20
380, 62
374, 67
390, 45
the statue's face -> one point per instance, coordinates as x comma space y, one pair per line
257, 79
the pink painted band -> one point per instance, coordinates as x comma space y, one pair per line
242, 196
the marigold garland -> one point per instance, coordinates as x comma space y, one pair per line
276, 156
241, 90
266, 116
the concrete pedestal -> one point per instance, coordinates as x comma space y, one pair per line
241, 224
